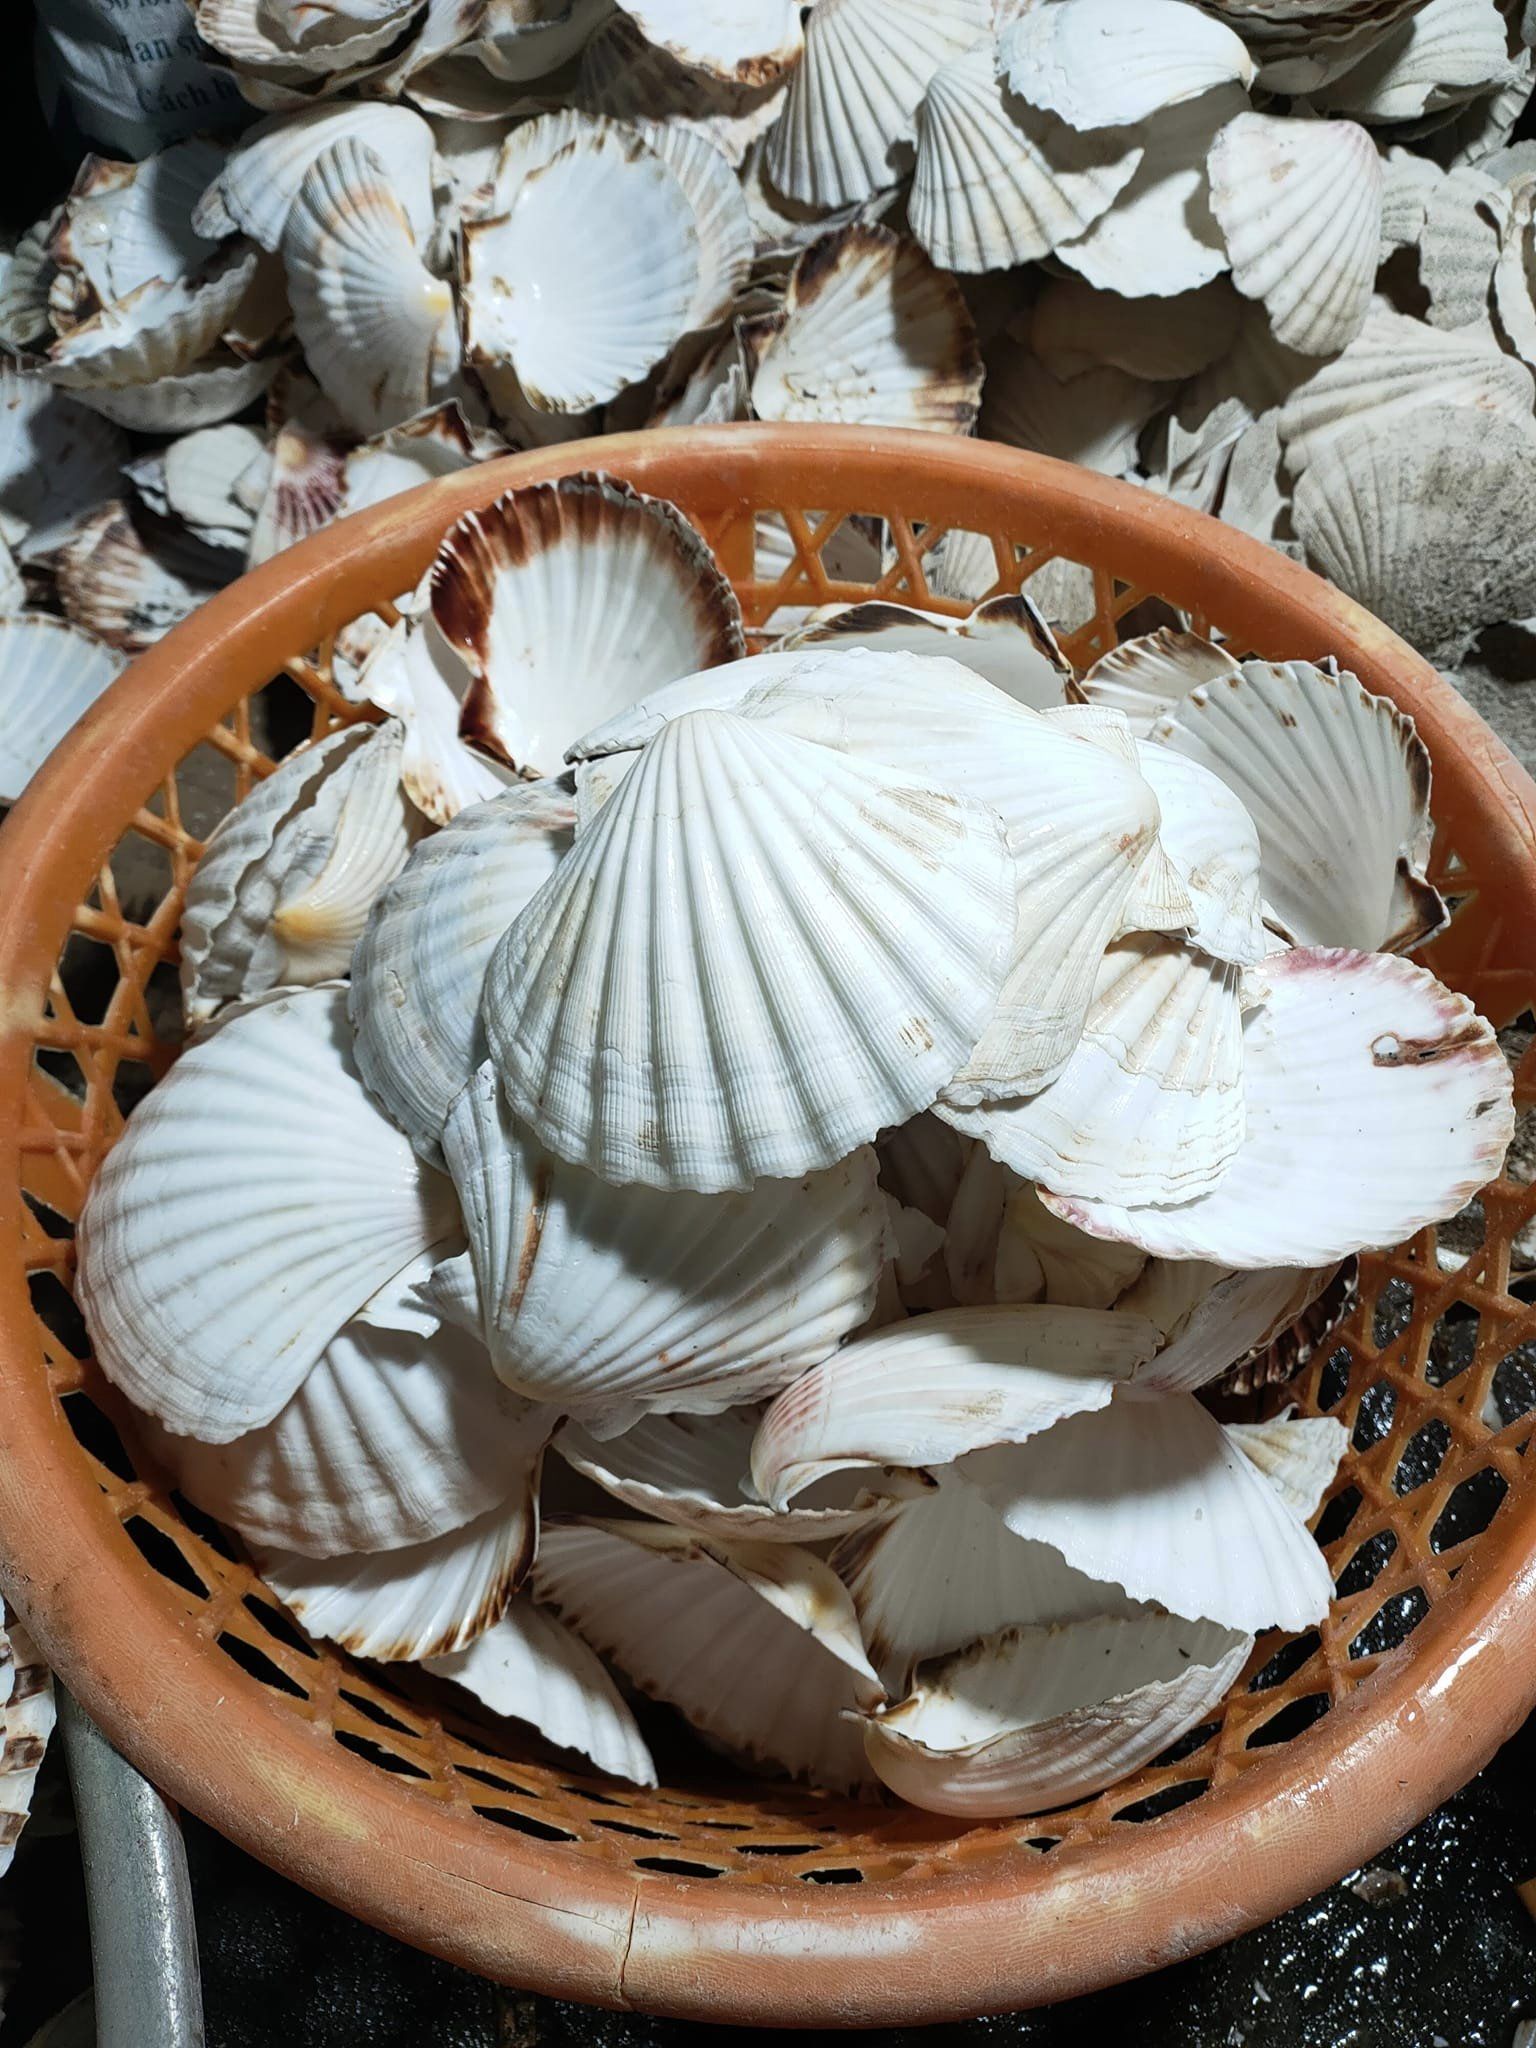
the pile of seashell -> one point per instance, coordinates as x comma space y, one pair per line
1273, 257
748, 1202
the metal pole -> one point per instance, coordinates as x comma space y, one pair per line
143, 1934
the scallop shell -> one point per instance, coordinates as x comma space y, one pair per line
532, 1668
853, 100
125, 223
258, 185
1352, 1052
1299, 203
1227, 1547
50, 674
890, 976
922, 1163
1396, 367
421, 960
1448, 51
1429, 530
620, 73
615, 1303
1073, 328
578, 321
1298, 1455
377, 328
1040, 1258
1160, 236
423, 1600
1213, 843
260, 1138
720, 217
284, 888
972, 1228
26, 273
1109, 63
999, 182
692, 1470
210, 391
1005, 641
122, 591
198, 481
757, 1643
158, 331
401, 1432
514, 44
1459, 249
871, 334
55, 457
263, 38
927, 1391
26, 1722
1147, 677
13, 590
569, 601
1149, 1108
418, 678
1211, 1317
1034, 1718
1514, 299
302, 491
438, 442
1094, 419
1337, 783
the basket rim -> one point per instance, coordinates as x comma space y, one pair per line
572, 1925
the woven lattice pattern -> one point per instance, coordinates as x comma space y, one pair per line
1435, 1373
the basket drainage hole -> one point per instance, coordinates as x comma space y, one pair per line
1042, 1842
525, 1824
778, 1848
1166, 1801
375, 1712
1392, 1623
56, 1309
1333, 1384
501, 1784
1337, 1516
843, 1873
1373, 1418
1367, 1564
206, 1528
1290, 1722
630, 1827
676, 1866
53, 1224
161, 1554
1286, 1662
1469, 1509
1394, 1312
260, 1666
95, 1434
374, 1753
278, 1626
1422, 1457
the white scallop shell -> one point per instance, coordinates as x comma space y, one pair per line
50, 674
1353, 1055
1298, 1455
923, 1162
55, 458
1448, 51
1299, 203
1149, 1108
1004, 640
285, 885
1094, 419
400, 1432
1337, 783
927, 1391
1213, 843
1040, 1258
739, 41
889, 977
570, 600
158, 331
1032, 1718
423, 1600
1109, 63
578, 320
1072, 328
1398, 367
853, 100
1514, 299
1458, 249
13, 590
1146, 677
419, 965
533, 1669
26, 1722
757, 1643
1211, 1316
198, 480
1434, 530
1160, 236
1152, 1495
302, 488
258, 185
871, 334
418, 678
377, 328
208, 392
621, 73
260, 1140
124, 223
438, 442
113, 582
720, 217
614, 1303
693, 1470
998, 181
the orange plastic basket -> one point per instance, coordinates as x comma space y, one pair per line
722, 1896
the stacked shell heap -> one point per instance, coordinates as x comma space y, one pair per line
840, 1104
1274, 258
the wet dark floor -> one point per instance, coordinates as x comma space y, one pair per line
1430, 1947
